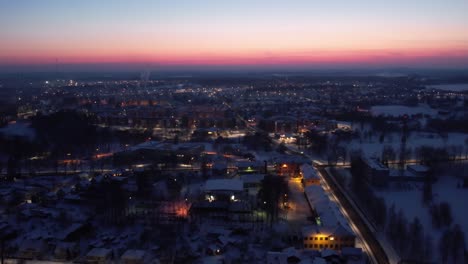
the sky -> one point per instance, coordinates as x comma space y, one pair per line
36, 34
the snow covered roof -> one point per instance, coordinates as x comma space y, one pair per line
351, 251
337, 230
328, 253
134, 254
328, 211
401, 173
290, 159
319, 261
99, 252
224, 185
247, 163
418, 168
277, 257
374, 163
309, 172
252, 178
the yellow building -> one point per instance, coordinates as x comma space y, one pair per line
324, 237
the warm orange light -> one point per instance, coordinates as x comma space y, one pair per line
103, 155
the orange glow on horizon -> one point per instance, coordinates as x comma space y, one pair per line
242, 58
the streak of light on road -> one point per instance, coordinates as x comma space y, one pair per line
356, 231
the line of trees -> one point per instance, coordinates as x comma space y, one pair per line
441, 215
273, 190
452, 247
375, 205
409, 239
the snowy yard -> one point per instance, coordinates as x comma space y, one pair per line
372, 147
400, 110
409, 200
459, 87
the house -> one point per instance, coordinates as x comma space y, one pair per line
404, 176
99, 256
66, 251
375, 172
220, 167
252, 180
277, 258
74, 231
327, 237
323, 210
309, 175
223, 189
418, 170
245, 167
32, 249
133, 256
289, 166
353, 255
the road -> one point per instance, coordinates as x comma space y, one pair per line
299, 210
366, 238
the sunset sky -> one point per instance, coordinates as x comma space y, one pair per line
409, 33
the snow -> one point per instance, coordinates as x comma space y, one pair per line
99, 252
445, 190
133, 255
373, 148
328, 211
459, 87
19, 129
224, 185
409, 200
309, 172
400, 110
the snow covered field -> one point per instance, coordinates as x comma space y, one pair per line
459, 87
400, 110
409, 200
372, 147
20, 129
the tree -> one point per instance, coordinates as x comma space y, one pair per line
458, 245
446, 214
392, 224
318, 141
445, 244
282, 148
402, 232
416, 235
382, 137
428, 248
388, 154
427, 188
466, 147
144, 184
273, 189
379, 211
357, 173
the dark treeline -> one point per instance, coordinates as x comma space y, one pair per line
448, 125
372, 203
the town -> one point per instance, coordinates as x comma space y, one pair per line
270, 168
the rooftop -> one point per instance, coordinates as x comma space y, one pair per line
224, 185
